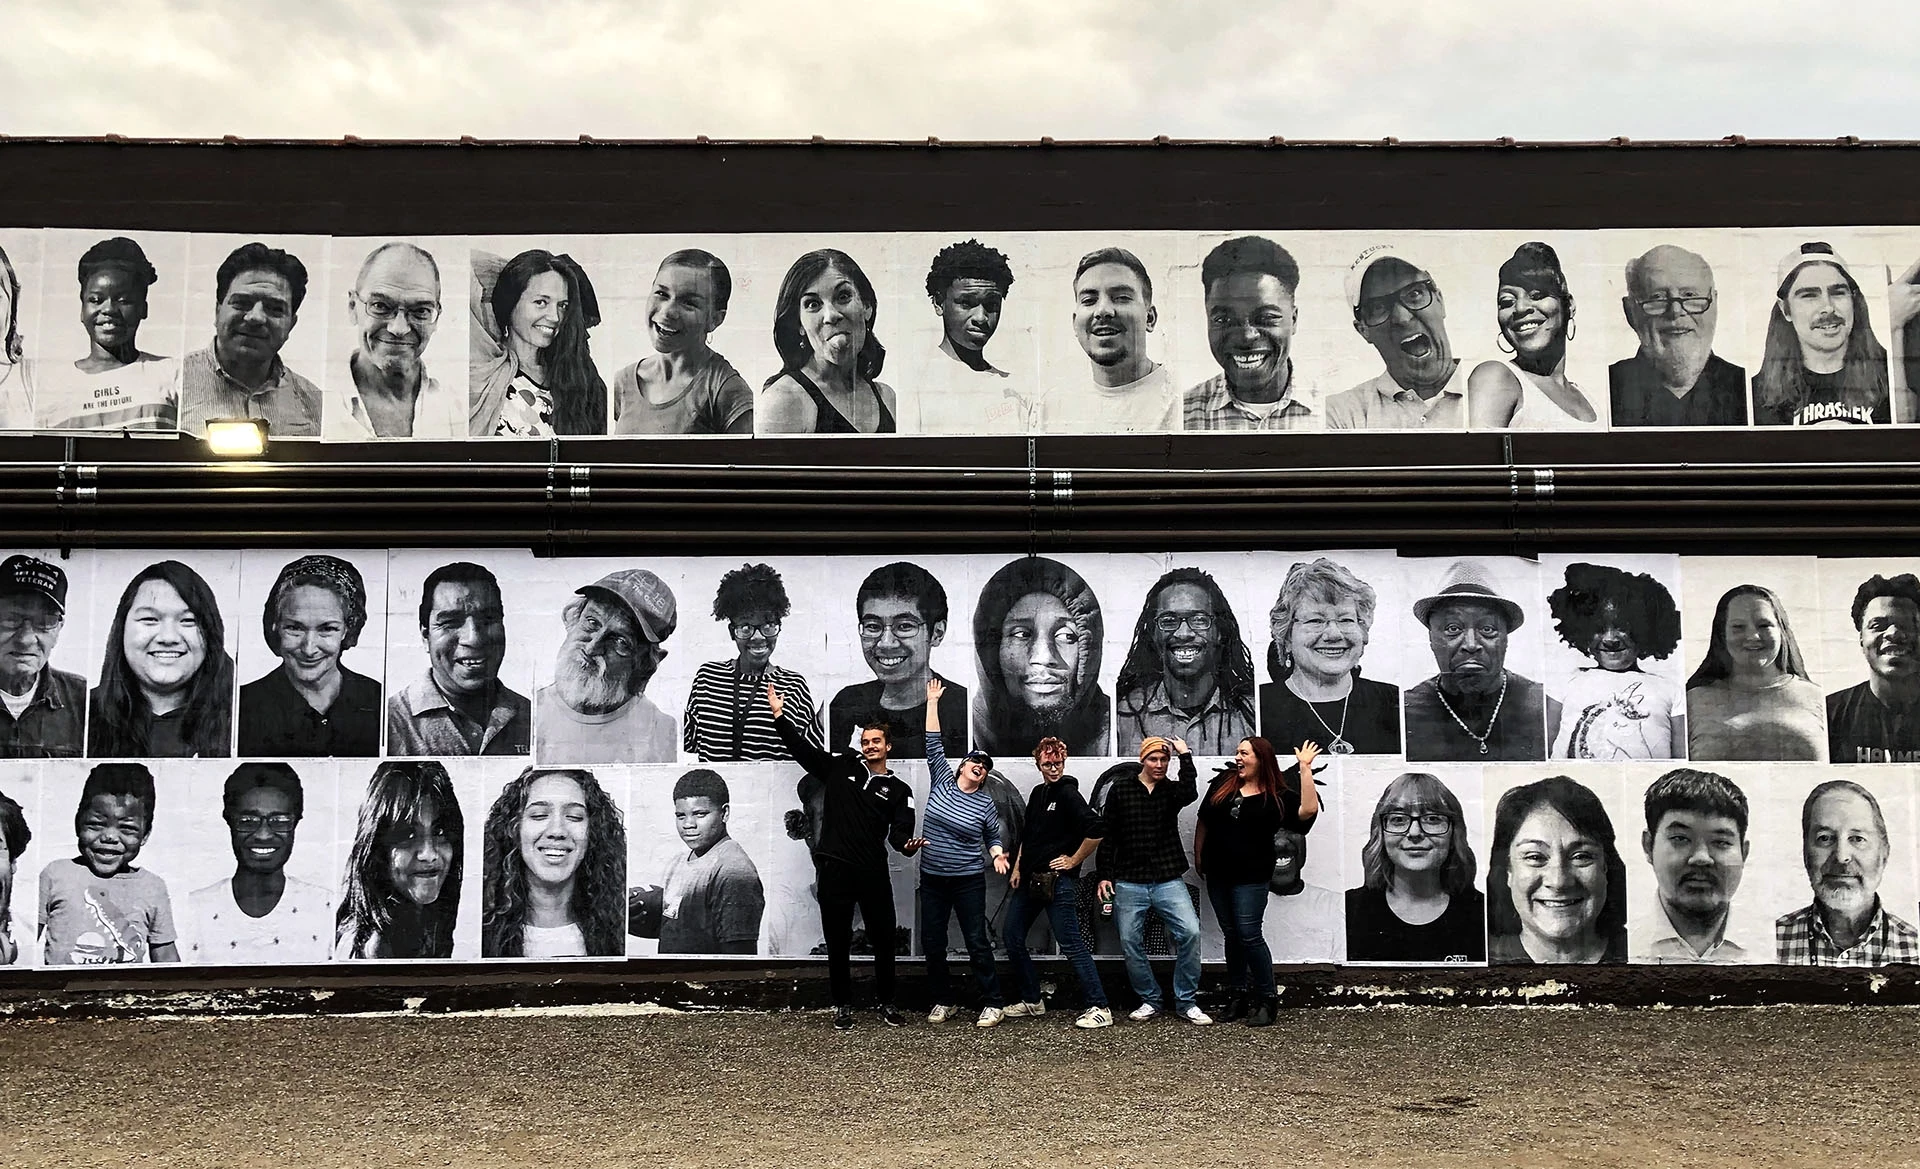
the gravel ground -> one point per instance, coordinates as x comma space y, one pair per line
1428, 1086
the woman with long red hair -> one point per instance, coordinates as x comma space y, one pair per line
1250, 800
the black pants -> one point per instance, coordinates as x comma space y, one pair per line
844, 887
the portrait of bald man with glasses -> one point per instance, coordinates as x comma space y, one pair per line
1674, 378
394, 308
1188, 674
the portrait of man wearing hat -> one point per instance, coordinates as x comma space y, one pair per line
596, 710
1474, 710
1398, 309
1822, 363
460, 706
42, 710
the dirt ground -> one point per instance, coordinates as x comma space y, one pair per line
1407, 1087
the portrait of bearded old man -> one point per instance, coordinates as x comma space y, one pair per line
596, 710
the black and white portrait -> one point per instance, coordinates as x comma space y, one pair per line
1478, 706
105, 902
1535, 321
824, 330
900, 617
20, 271
1855, 906
531, 373
727, 718
379, 384
43, 706
19, 861
111, 320
1614, 675
1037, 636
1870, 625
1903, 312
166, 681
1670, 300
1751, 694
1688, 882
596, 709
1414, 890
266, 331
1556, 881
303, 699
695, 887
1188, 673
1249, 284
1398, 308
683, 385
406, 888
1320, 627
555, 867
976, 377
1117, 386
1822, 362
256, 850
462, 700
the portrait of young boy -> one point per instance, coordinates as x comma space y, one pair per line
97, 907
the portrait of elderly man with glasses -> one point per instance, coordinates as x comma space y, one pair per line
596, 710
41, 708
1674, 378
1188, 674
1398, 309
260, 916
394, 307
1474, 709
901, 610
727, 718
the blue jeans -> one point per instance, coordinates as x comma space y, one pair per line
966, 897
1131, 900
1064, 915
1242, 910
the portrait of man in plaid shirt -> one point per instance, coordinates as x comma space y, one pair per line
1844, 842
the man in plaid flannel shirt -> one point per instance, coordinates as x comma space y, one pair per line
1843, 839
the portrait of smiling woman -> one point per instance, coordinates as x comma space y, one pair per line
166, 684
555, 869
311, 704
532, 373
1751, 697
1320, 623
1556, 886
829, 357
401, 894
1533, 311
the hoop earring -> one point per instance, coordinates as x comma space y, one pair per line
1570, 325
1500, 342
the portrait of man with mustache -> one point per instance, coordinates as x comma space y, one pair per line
1696, 842
1844, 843
1674, 378
596, 710
1822, 363
257, 296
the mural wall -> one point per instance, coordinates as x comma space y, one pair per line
359, 339
443, 754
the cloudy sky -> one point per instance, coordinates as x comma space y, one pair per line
958, 69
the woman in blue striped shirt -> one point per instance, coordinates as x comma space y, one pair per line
960, 823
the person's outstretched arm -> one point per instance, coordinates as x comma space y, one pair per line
808, 756
939, 769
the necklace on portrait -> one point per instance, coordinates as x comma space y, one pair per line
1491, 719
1339, 744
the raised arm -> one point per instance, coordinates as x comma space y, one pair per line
939, 768
1186, 788
1303, 756
805, 753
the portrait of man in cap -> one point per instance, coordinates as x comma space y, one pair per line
460, 706
1474, 710
1398, 309
42, 710
596, 709
1822, 364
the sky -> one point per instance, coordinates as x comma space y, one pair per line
960, 69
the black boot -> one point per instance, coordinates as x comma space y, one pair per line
1263, 1012
1236, 1007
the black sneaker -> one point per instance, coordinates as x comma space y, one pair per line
843, 1018
889, 1016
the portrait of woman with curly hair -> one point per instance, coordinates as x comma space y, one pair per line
555, 869
1614, 708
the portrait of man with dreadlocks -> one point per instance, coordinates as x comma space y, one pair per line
1188, 674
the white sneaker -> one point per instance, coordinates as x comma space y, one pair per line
990, 1017
939, 1014
1193, 1014
1143, 1012
1093, 1018
1024, 1010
